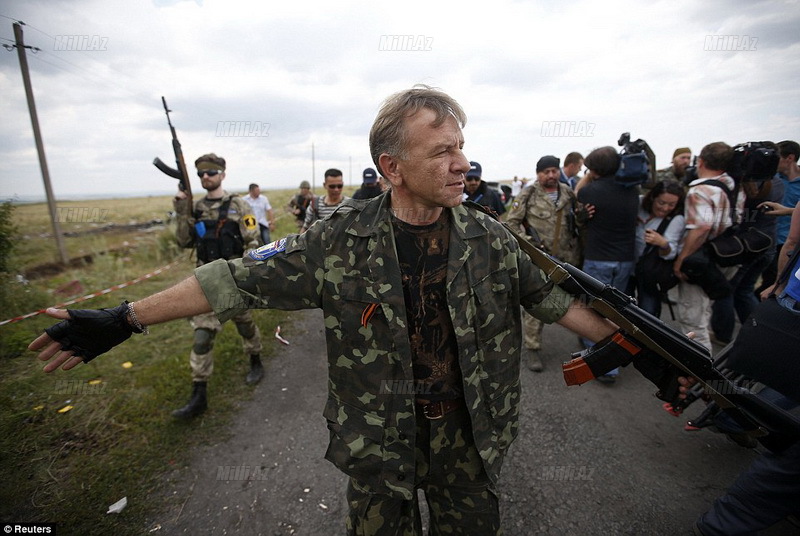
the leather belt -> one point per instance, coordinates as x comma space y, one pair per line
437, 410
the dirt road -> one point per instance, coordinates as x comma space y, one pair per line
590, 460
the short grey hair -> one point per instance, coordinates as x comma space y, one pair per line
388, 133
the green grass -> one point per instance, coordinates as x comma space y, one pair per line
119, 439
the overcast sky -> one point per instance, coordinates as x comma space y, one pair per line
259, 82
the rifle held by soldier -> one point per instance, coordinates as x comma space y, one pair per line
180, 173
659, 353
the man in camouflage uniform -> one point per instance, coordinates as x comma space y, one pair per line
545, 211
216, 235
421, 299
681, 158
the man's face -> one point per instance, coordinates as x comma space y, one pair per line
570, 170
432, 175
255, 192
785, 163
211, 179
334, 185
681, 162
548, 177
472, 184
304, 191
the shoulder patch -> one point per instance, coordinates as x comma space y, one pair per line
265, 252
249, 222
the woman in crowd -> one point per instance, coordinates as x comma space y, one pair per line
658, 233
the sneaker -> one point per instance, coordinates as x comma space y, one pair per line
534, 362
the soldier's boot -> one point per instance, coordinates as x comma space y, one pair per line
534, 361
256, 370
198, 403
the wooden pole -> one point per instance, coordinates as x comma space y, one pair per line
37, 135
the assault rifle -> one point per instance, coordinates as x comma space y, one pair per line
180, 173
659, 353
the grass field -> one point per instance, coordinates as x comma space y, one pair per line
73, 443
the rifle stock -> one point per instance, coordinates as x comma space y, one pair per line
679, 355
180, 171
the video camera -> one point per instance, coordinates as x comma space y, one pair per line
753, 161
637, 163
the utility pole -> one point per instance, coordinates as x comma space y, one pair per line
313, 170
37, 135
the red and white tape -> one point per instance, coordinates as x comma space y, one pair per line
95, 294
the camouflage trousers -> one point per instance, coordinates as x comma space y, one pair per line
202, 364
531, 332
460, 497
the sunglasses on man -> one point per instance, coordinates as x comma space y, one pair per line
335, 186
209, 172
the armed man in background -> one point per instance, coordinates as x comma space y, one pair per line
546, 213
300, 203
681, 158
219, 226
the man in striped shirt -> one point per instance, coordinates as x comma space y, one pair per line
324, 205
707, 216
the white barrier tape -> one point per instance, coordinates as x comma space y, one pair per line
94, 294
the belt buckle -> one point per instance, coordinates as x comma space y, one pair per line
428, 410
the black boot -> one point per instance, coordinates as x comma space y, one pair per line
197, 404
256, 370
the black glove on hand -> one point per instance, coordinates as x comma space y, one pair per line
91, 332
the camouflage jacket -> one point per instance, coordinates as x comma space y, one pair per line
346, 264
534, 208
667, 174
238, 211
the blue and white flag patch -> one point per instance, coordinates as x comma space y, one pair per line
266, 251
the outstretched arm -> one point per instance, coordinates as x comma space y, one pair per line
182, 300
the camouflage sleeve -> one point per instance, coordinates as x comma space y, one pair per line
553, 307
516, 215
547, 302
183, 233
284, 275
248, 225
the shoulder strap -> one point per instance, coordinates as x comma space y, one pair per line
660, 230
731, 195
223, 210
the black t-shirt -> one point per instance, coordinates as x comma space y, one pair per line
611, 232
367, 192
422, 252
